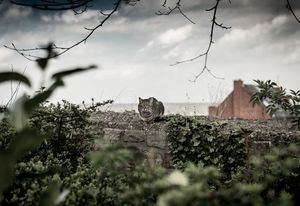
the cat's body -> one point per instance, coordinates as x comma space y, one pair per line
150, 109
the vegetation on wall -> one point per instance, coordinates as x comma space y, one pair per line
193, 140
270, 180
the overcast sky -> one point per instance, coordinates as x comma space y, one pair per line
134, 49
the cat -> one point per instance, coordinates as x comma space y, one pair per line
150, 109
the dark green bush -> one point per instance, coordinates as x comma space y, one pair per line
278, 172
199, 142
269, 180
61, 156
65, 158
62, 159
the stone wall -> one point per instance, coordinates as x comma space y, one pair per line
149, 139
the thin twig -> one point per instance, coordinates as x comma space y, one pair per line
61, 50
289, 7
214, 23
172, 9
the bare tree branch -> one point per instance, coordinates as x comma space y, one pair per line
55, 5
172, 9
214, 23
289, 7
81, 6
61, 50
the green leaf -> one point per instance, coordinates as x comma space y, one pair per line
19, 115
210, 138
32, 103
182, 139
49, 197
24, 141
60, 75
14, 76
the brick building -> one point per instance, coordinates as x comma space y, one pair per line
237, 104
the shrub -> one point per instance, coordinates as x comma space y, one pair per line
61, 156
199, 142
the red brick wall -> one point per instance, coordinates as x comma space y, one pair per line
238, 98
246, 110
237, 105
225, 109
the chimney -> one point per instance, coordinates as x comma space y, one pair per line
237, 97
237, 84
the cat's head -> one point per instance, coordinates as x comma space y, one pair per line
146, 106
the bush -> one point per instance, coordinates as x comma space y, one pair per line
106, 177
61, 156
199, 142
69, 159
270, 180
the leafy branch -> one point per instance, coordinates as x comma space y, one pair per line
277, 99
27, 139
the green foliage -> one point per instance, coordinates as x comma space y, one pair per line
278, 99
278, 172
199, 142
61, 160
25, 138
269, 180
60, 157
59, 166
204, 188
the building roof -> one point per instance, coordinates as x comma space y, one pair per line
250, 88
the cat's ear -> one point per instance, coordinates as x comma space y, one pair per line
151, 100
140, 99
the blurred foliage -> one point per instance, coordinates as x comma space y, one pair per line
19, 140
199, 142
278, 172
62, 155
269, 180
277, 99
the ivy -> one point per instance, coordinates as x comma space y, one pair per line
199, 142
